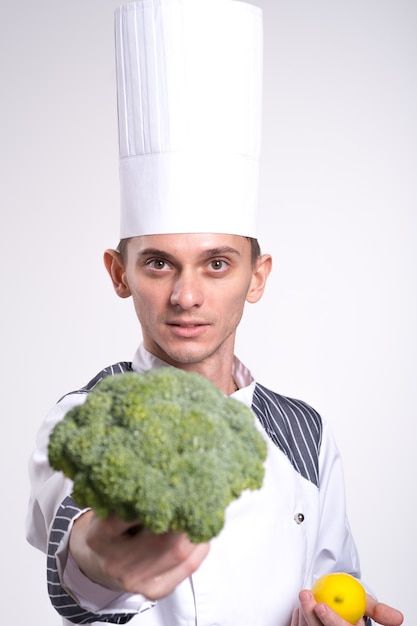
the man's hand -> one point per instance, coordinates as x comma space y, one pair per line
311, 613
112, 554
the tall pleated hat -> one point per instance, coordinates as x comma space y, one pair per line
189, 94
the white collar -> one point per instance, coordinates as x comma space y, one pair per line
145, 360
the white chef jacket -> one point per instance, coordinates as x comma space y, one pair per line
276, 540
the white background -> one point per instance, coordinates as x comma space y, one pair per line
337, 326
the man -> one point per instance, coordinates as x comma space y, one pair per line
189, 78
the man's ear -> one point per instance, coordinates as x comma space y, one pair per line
260, 274
116, 269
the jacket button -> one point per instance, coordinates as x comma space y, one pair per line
299, 518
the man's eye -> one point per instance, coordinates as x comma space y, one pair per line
157, 264
217, 264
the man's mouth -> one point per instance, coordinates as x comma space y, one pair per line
188, 329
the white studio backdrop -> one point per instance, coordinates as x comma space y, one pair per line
337, 325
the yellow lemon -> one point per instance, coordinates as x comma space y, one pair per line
343, 593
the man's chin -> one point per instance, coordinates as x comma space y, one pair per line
184, 359
184, 355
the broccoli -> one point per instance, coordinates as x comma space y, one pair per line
164, 447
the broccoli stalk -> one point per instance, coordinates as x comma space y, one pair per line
164, 447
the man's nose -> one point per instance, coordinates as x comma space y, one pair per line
186, 291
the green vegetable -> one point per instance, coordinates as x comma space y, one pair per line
164, 447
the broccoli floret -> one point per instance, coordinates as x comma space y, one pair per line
164, 447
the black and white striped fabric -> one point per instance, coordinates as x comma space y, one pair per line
112, 370
294, 427
66, 605
291, 424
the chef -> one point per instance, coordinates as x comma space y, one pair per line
189, 83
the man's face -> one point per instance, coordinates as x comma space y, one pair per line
189, 292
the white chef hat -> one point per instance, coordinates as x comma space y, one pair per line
189, 92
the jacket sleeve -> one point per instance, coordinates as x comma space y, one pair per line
334, 549
48, 487
49, 518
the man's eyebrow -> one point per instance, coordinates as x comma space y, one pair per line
223, 250
155, 252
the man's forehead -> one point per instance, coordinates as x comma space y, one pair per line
191, 242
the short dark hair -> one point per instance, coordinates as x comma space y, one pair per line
255, 248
